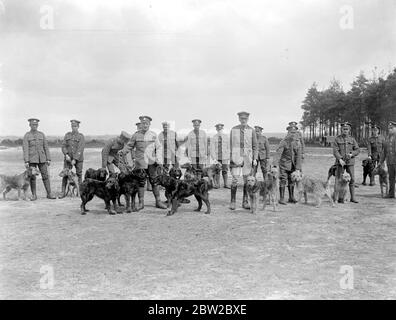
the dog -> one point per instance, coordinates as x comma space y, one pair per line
169, 181
19, 182
211, 172
305, 184
129, 184
267, 190
99, 174
383, 179
368, 168
107, 190
341, 187
72, 186
186, 188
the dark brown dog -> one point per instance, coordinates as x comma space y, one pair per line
169, 181
106, 190
368, 168
99, 174
129, 185
19, 182
186, 188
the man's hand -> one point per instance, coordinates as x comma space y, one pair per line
302, 156
370, 158
254, 162
67, 158
27, 165
73, 162
342, 162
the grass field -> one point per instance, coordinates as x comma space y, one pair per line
296, 253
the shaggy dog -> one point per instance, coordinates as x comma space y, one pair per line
368, 168
341, 187
305, 185
106, 190
72, 185
383, 179
19, 182
267, 189
169, 182
129, 184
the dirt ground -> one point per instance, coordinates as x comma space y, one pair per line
296, 253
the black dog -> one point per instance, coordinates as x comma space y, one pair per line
368, 168
129, 185
99, 174
186, 188
169, 182
106, 190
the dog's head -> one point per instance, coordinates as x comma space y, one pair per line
175, 173
379, 170
112, 182
102, 173
217, 168
296, 176
346, 177
139, 173
31, 172
64, 172
251, 181
274, 171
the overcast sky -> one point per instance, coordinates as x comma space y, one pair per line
107, 62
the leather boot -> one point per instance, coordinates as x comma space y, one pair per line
149, 186
282, 195
141, 198
47, 186
352, 191
233, 197
291, 194
158, 203
33, 189
245, 202
216, 181
225, 179
64, 183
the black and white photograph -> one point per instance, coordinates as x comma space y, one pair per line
197, 150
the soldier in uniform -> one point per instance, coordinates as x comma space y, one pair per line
73, 149
220, 153
289, 152
389, 154
36, 154
345, 150
148, 151
168, 140
243, 156
110, 155
148, 184
374, 148
196, 147
263, 152
293, 129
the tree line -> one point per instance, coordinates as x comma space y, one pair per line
367, 102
